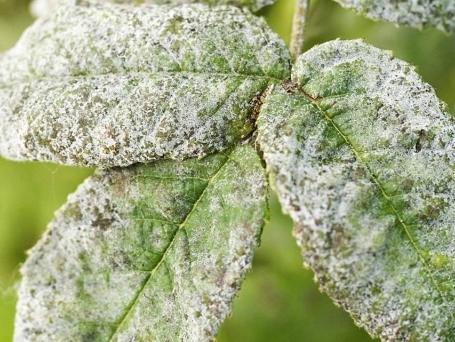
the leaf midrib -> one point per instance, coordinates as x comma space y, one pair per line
182, 225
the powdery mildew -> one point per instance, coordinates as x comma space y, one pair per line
362, 159
416, 13
44, 7
150, 252
110, 85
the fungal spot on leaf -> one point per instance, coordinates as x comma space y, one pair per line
424, 138
256, 103
335, 237
290, 87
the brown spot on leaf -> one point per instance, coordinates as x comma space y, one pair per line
290, 87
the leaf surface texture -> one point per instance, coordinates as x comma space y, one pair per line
360, 152
149, 252
44, 7
416, 13
111, 85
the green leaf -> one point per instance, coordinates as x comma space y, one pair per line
111, 85
153, 252
360, 152
419, 14
44, 7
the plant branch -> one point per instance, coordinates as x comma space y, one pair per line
298, 27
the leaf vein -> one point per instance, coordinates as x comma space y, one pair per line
153, 219
386, 197
171, 177
182, 225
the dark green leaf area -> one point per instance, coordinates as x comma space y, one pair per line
362, 160
322, 84
153, 251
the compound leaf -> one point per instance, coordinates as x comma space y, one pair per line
419, 14
361, 153
111, 85
152, 252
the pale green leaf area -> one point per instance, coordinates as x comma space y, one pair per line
44, 7
416, 13
111, 85
360, 151
151, 252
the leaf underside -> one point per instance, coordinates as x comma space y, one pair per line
150, 252
111, 85
419, 14
362, 158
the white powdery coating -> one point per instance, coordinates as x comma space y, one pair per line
140, 254
67, 264
126, 119
104, 38
39, 8
362, 159
111, 85
415, 13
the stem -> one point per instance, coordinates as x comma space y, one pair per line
298, 27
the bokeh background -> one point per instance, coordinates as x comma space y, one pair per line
279, 301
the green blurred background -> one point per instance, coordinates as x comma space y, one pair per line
279, 300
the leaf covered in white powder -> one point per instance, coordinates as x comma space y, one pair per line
361, 153
111, 85
416, 13
44, 7
150, 252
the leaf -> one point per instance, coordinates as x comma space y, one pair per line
151, 252
112, 85
419, 14
44, 7
360, 152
